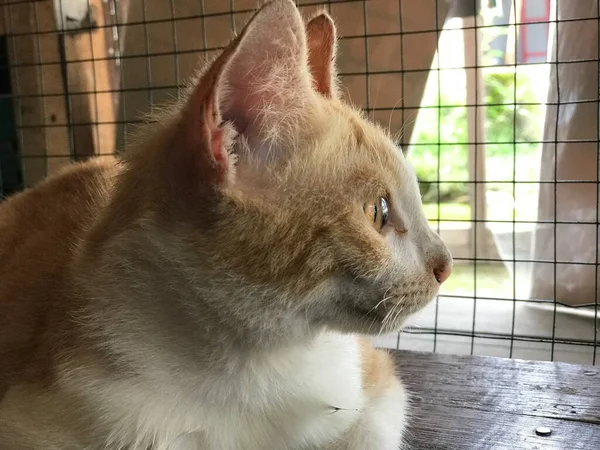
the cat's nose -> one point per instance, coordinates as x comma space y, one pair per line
442, 271
441, 259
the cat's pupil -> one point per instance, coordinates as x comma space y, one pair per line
384, 211
377, 212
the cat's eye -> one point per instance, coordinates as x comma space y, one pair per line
377, 212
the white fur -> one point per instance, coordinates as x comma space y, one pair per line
383, 423
300, 398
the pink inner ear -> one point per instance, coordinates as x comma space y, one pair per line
321, 37
267, 78
218, 147
217, 142
260, 80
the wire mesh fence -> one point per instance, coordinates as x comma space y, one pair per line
494, 101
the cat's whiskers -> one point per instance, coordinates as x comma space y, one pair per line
385, 299
391, 317
392, 113
387, 318
310, 335
371, 113
397, 136
400, 310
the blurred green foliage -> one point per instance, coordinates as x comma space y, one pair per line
440, 148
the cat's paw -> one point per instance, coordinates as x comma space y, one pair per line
382, 423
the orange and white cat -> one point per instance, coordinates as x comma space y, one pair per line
207, 291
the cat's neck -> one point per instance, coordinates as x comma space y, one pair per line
162, 335
146, 299
154, 316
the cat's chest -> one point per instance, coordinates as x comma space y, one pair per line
297, 400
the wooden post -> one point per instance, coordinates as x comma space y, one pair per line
482, 242
90, 86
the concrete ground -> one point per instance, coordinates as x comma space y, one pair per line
501, 318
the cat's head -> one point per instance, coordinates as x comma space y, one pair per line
283, 201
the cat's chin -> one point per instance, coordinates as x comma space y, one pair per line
364, 321
374, 321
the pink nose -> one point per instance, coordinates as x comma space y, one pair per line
442, 272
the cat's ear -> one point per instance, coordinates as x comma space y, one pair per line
322, 43
268, 75
259, 84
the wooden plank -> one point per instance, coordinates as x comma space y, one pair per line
438, 427
90, 79
55, 124
473, 402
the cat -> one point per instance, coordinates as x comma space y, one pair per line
214, 288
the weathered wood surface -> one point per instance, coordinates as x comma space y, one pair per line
475, 402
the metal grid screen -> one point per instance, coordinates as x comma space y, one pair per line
495, 102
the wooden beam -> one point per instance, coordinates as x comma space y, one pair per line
90, 83
476, 402
482, 241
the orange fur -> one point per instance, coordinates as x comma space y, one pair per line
39, 232
137, 294
378, 369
